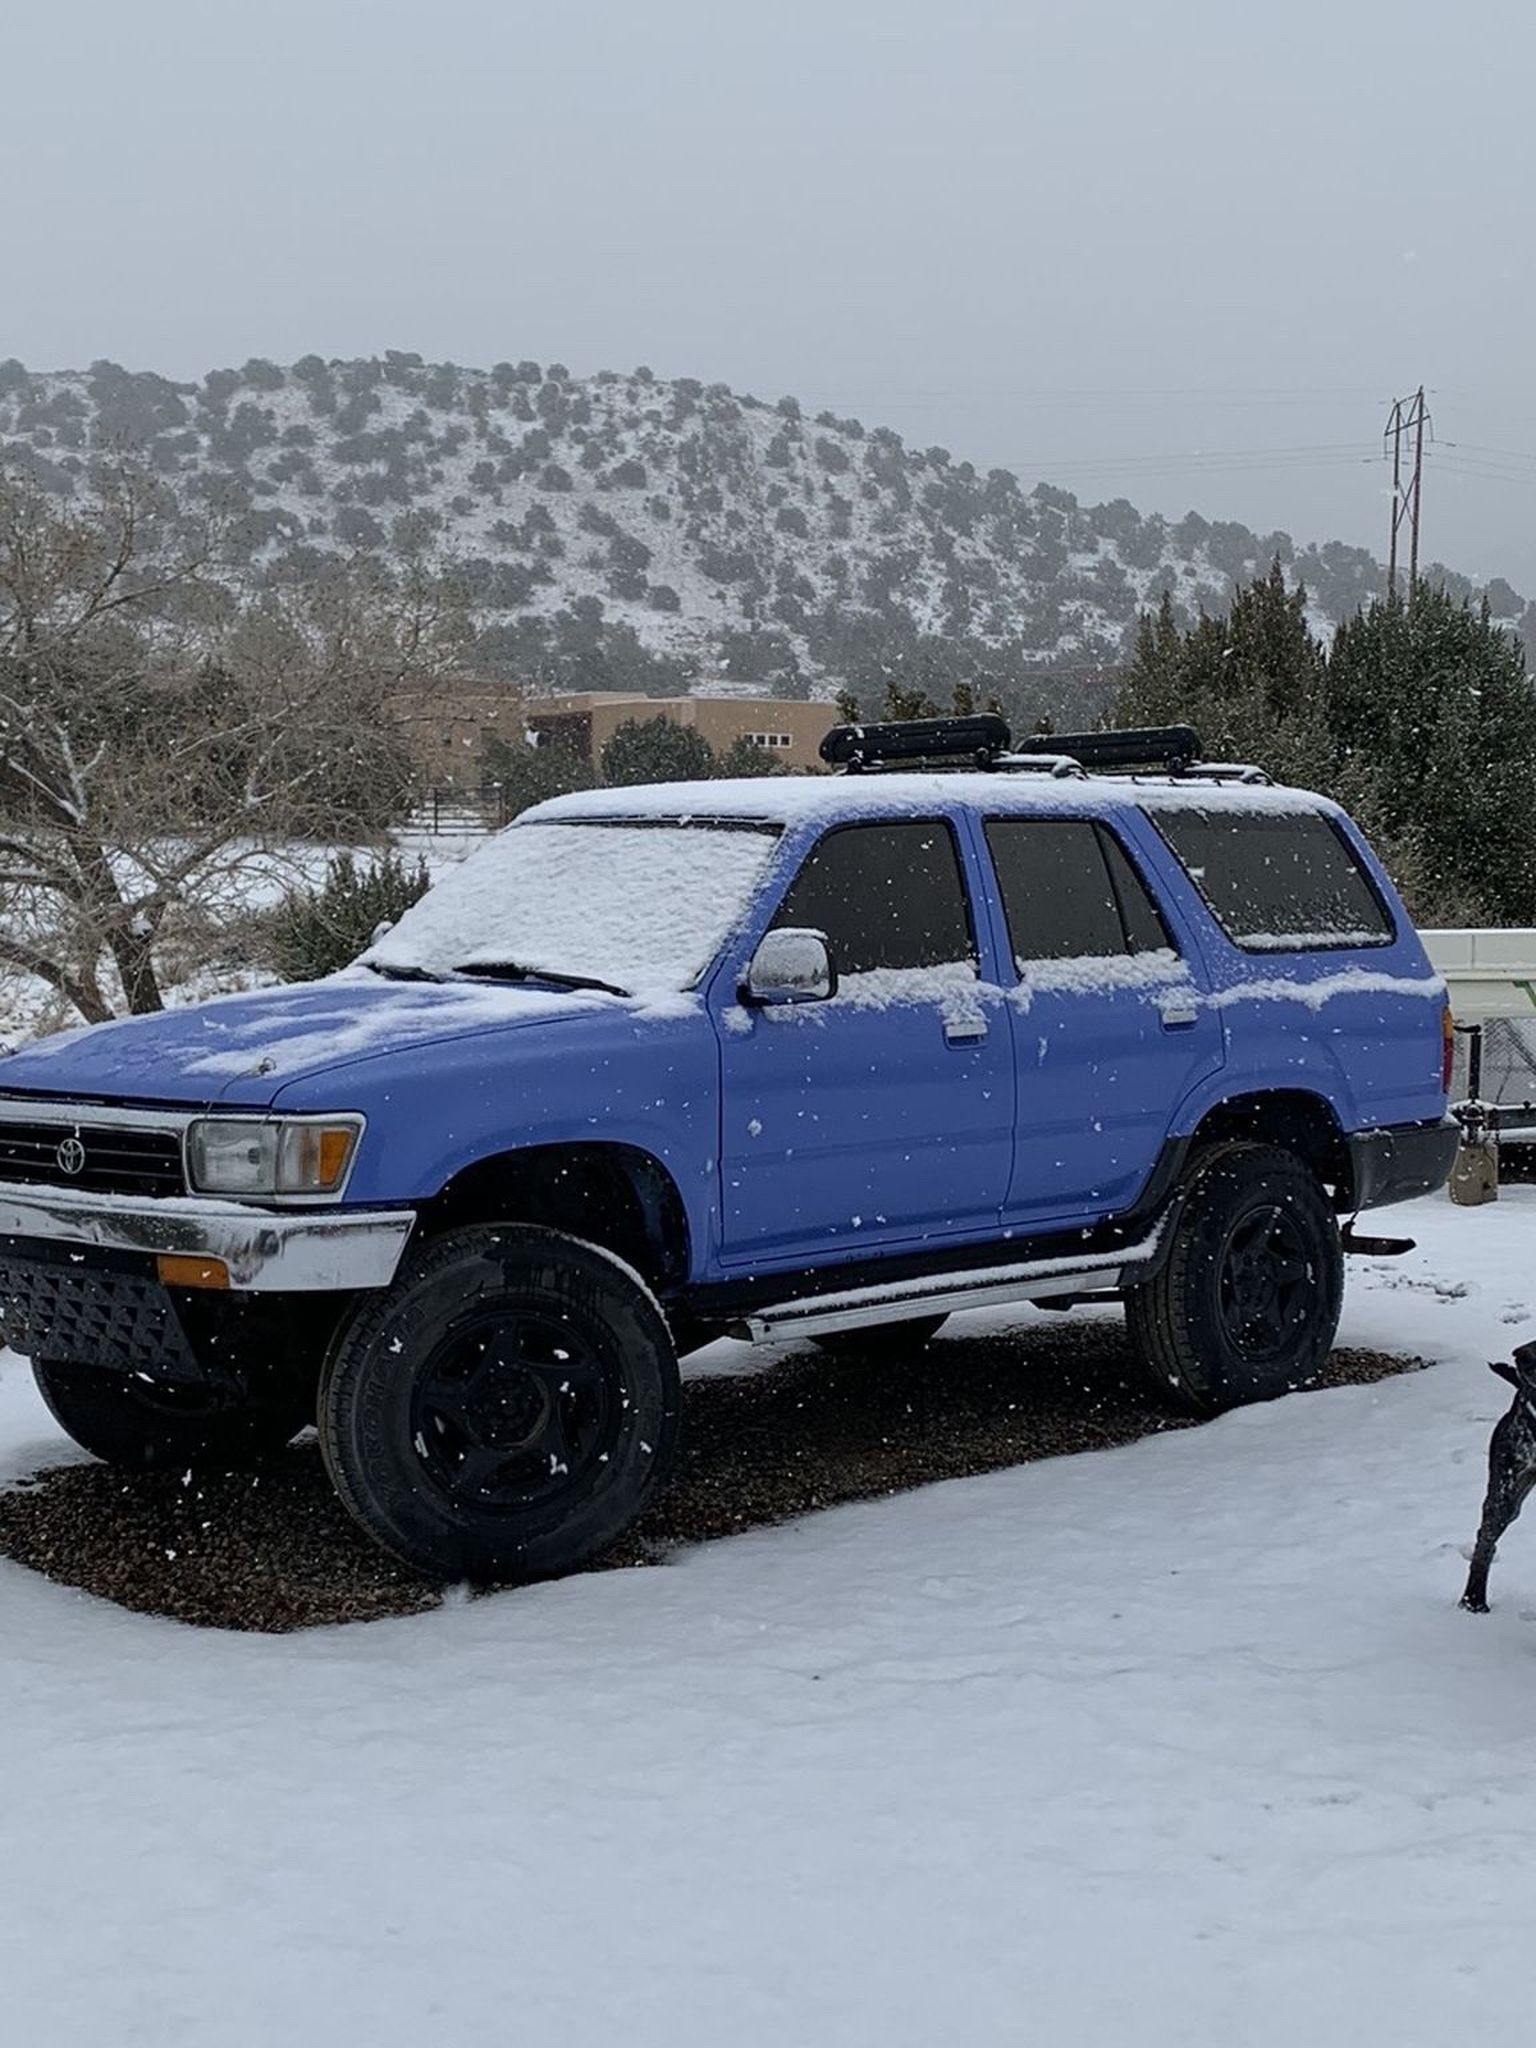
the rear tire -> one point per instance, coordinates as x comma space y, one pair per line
1246, 1302
144, 1427
505, 1410
902, 1340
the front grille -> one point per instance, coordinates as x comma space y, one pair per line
118, 1160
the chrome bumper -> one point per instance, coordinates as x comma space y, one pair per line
267, 1252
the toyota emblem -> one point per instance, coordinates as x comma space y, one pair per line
71, 1157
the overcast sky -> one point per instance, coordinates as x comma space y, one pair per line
1181, 251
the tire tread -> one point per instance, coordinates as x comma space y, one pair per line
453, 1550
1160, 1331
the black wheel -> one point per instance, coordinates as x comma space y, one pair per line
1247, 1300
154, 1426
899, 1340
505, 1410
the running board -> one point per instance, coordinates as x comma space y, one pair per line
860, 1308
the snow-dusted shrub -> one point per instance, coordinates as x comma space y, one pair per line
316, 931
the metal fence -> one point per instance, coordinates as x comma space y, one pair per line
451, 812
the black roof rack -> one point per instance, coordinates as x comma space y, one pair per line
985, 742
1173, 748
976, 741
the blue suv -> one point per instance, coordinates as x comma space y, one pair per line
827, 1056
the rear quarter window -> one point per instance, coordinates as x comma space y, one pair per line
1278, 881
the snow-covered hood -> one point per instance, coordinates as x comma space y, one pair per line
244, 1049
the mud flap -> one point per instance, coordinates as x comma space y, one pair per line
1374, 1247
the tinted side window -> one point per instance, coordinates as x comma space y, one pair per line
886, 896
1278, 880
1144, 925
1056, 889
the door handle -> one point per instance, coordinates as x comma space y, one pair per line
1176, 1016
969, 1032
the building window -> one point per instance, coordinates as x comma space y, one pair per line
769, 739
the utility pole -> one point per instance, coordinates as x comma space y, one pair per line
1406, 424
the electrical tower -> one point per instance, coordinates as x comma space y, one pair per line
1406, 426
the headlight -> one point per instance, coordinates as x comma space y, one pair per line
230, 1155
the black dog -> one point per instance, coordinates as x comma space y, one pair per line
1511, 1472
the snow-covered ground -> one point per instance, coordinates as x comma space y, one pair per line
1179, 1744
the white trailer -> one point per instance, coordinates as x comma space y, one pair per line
1491, 976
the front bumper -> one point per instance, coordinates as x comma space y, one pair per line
1399, 1161
266, 1251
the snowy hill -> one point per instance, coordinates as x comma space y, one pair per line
626, 531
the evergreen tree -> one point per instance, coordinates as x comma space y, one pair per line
315, 931
741, 757
527, 775
1420, 720
656, 750
1250, 683
1433, 723
908, 700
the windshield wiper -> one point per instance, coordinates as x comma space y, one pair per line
515, 970
392, 971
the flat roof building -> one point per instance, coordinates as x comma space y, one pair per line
789, 729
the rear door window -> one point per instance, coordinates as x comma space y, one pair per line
1070, 892
1278, 881
1145, 928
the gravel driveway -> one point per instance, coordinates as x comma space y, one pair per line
272, 1551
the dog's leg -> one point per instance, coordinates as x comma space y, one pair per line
1510, 1478
1492, 1527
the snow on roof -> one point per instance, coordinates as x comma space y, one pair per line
793, 799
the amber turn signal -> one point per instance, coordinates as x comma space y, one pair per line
177, 1269
334, 1148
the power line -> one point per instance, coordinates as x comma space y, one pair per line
1304, 455
1046, 394
1468, 473
1504, 454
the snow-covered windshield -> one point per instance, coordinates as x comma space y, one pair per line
641, 907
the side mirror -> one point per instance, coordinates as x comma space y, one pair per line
792, 965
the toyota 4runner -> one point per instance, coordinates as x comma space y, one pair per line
960, 1025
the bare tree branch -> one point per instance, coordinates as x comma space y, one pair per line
157, 738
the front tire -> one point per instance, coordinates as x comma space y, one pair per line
1246, 1302
506, 1410
147, 1427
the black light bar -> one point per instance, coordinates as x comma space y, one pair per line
978, 741
1172, 747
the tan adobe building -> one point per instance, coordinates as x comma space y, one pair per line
447, 722
788, 729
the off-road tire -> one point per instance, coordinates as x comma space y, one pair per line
505, 1410
145, 1428
901, 1340
1245, 1302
